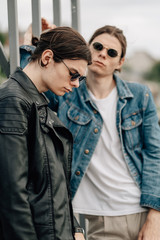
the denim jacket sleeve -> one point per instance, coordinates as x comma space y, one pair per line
150, 196
25, 53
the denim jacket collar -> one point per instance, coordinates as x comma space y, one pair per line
84, 91
122, 88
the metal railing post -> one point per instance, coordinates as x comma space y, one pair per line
4, 61
57, 12
36, 18
13, 34
75, 10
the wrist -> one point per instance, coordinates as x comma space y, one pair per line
79, 230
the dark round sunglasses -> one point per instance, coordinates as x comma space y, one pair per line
111, 52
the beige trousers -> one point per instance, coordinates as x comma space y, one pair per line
115, 228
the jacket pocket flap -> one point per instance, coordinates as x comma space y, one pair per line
132, 121
12, 125
11, 130
78, 116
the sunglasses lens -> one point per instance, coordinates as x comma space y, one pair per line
82, 78
97, 46
112, 53
74, 76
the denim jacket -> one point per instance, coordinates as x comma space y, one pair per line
137, 126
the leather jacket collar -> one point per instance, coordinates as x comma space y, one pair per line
39, 98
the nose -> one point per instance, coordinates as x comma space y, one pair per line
75, 83
103, 53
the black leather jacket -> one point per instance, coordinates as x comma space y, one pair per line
35, 166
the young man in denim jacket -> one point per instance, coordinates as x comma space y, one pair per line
116, 158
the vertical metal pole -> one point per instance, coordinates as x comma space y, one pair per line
75, 10
36, 18
13, 34
4, 61
57, 12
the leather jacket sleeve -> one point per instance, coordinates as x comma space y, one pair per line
15, 212
77, 227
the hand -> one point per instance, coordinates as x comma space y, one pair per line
151, 228
46, 25
28, 34
79, 236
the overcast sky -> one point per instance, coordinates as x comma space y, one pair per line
139, 19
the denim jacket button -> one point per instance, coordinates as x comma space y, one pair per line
78, 173
86, 151
77, 117
133, 123
96, 130
94, 111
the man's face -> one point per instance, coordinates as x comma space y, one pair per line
104, 59
58, 76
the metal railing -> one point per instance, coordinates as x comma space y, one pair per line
9, 65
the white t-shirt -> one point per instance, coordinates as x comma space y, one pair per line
107, 188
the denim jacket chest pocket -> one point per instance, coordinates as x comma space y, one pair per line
78, 122
132, 130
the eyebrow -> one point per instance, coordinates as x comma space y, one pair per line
73, 69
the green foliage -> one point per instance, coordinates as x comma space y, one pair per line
154, 73
2, 75
3, 37
126, 68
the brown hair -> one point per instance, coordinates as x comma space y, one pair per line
65, 42
113, 31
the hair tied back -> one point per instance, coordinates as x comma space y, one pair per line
35, 41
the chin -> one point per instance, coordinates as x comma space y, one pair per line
60, 93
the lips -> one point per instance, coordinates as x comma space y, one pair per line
68, 90
98, 63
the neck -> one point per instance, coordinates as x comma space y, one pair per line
100, 86
33, 70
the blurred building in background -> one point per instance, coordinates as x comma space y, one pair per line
137, 68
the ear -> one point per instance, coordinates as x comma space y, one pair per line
47, 57
121, 61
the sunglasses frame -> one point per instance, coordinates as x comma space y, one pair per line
110, 51
74, 76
